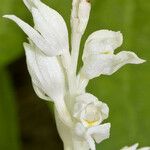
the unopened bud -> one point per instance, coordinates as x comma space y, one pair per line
83, 14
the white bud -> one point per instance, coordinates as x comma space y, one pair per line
83, 14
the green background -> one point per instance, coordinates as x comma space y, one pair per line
25, 121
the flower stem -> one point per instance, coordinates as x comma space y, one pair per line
75, 43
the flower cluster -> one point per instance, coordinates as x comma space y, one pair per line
52, 65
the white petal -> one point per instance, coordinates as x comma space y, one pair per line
107, 64
100, 133
82, 101
83, 15
91, 142
80, 129
144, 148
29, 4
45, 72
102, 41
64, 132
51, 25
57, 39
40, 93
104, 110
40, 42
133, 147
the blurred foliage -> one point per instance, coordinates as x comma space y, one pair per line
9, 137
126, 92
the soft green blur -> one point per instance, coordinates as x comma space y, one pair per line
126, 92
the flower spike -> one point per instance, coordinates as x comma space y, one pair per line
53, 70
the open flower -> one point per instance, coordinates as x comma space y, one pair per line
89, 113
99, 57
134, 147
89, 110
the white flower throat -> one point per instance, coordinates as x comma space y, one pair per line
91, 116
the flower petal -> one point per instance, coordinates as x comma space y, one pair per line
133, 147
82, 101
57, 39
29, 4
39, 41
40, 93
107, 64
46, 72
100, 133
91, 142
101, 42
48, 78
51, 25
104, 110
144, 148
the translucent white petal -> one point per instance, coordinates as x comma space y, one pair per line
100, 133
40, 42
107, 64
51, 25
46, 72
102, 41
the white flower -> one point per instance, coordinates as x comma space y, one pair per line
79, 115
89, 110
134, 147
89, 113
99, 57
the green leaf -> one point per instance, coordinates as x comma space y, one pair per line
9, 134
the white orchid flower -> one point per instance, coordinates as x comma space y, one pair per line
135, 147
53, 70
89, 110
99, 57
88, 114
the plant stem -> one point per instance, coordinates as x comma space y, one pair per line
75, 44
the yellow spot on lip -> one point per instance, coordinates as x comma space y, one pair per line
91, 123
